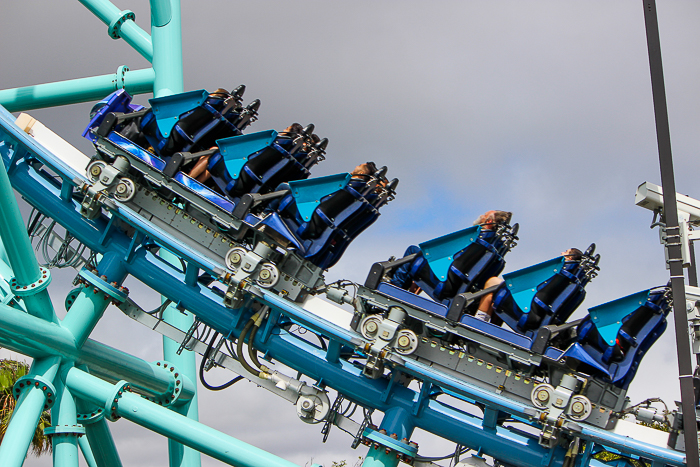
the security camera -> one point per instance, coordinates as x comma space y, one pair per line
651, 196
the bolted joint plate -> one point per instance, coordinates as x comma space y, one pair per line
111, 404
91, 417
65, 430
175, 389
118, 294
375, 437
38, 382
116, 25
22, 290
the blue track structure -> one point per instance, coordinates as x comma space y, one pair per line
232, 230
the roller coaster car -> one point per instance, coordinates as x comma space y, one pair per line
397, 323
321, 216
544, 294
187, 122
447, 266
612, 340
197, 216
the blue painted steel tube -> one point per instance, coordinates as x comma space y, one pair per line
84, 445
168, 423
26, 415
78, 90
128, 30
64, 420
20, 253
166, 35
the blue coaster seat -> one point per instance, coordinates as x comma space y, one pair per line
612, 340
260, 162
186, 122
321, 216
457, 263
199, 120
544, 294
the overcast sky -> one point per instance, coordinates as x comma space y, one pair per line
542, 108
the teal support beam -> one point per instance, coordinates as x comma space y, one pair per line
166, 34
64, 430
186, 363
21, 254
32, 336
173, 425
27, 411
105, 451
84, 445
84, 314
98, 438
78, 90
88, 307
121, 25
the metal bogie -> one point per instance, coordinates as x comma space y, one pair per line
487, 362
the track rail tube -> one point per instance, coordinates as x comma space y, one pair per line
172, 425
129, 30
77, 90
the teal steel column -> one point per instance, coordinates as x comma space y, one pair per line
173, 425
98, 439
186, 363
88, 307
64, 428
20, 253
78, 90
26, 415
84, 445
121, 25
166, 35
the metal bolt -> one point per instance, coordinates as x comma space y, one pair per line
542, 395
404, 341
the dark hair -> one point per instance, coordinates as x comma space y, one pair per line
502, 217
575, 254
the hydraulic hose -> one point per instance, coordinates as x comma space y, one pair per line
201, 369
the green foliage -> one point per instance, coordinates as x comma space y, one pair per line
10, 372
344, 463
